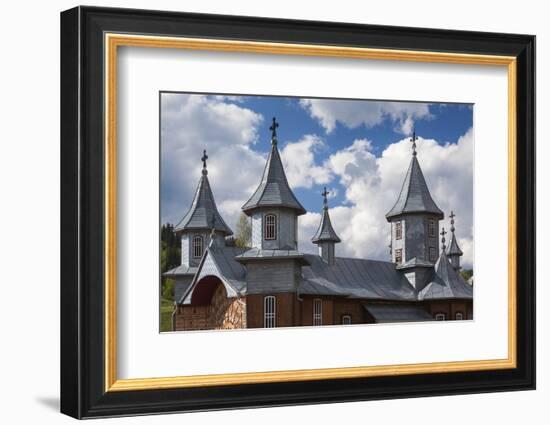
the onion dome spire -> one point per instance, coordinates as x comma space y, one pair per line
203, 213
325, 232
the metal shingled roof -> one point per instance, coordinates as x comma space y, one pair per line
414, 196
397, 313
446, 283
273, 190
353, 277
203, 212
325, 232
454, 249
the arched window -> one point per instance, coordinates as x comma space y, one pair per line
440, 316
317, 312
459, 316
269, 311
270, 227
197, 246
346, 319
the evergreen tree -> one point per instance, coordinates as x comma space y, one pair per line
244, 232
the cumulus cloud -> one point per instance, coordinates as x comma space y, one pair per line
353, 114
372, 185
299, 162
228, 131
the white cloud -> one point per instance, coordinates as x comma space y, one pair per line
191, 123
354, 114
299, 162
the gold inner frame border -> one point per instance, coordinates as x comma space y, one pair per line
113, 40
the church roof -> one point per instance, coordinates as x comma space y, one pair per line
390, 313
325, 232
446, 283
203, 214
454, 249
414, 196
273, 190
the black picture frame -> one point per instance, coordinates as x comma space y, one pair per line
82, 212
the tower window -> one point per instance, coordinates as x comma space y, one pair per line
440, 316
317, 312
346, 319
431, 228
433, 255
459, 316
398, 256
269, 311
398, 230
270, 227
197, 246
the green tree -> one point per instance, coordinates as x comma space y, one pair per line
244, 232
466, 274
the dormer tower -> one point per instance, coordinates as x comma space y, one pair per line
325, 237
201, 223
454, 252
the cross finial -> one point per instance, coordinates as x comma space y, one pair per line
443, 233
452, 217
325, 194
203, 159
413, 140
273, 129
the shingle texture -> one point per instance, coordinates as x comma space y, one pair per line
325, 232
454, 249
446, 283
397, 313
203, 213
414, 196
273, 190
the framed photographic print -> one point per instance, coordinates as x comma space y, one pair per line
261, 212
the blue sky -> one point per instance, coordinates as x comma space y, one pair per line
359, 149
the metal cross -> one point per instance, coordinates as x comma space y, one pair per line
273, 129
443, 233
324, 194
413, 140
452, 217
204, 158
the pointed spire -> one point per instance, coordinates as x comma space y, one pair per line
273, 190
454, 249
325, 231
413, 140
203, 213
415, 196
443, 233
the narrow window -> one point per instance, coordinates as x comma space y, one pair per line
197, 247
269, 311
270, 227
398, 256
398, 230
346, 319
433, 255
440, 316
431, 228
317, 312
459, 316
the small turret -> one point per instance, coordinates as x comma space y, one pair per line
454, 252
325, 237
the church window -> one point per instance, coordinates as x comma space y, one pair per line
440, 316
346, 319
398, 256
197, 246
317, 312
269, 311
398, 230
270, 227
433, 254
459, 316
431, 228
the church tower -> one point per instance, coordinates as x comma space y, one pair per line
454, 252
273, 263
414, 223
325, 237
202, 224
